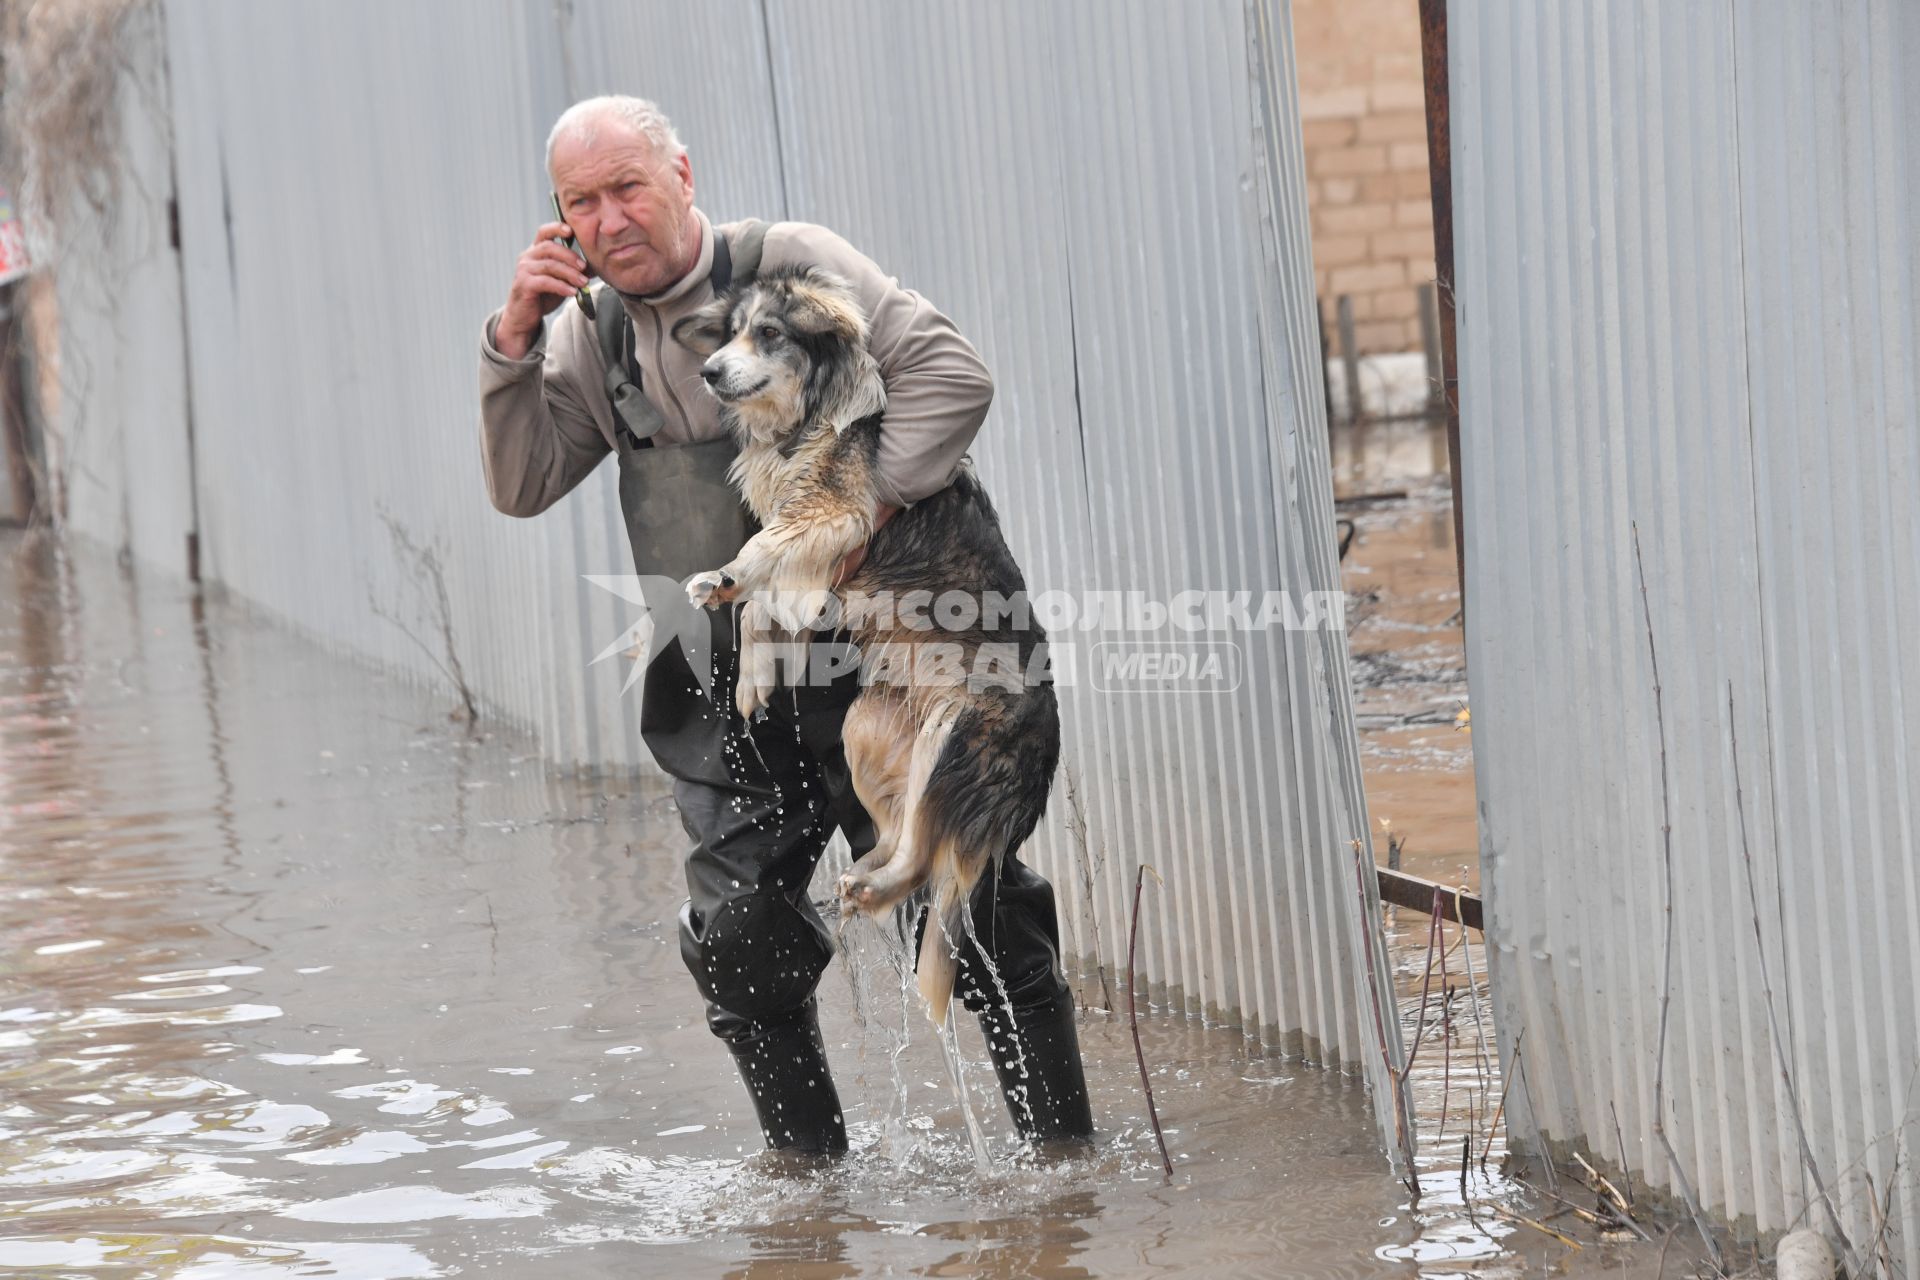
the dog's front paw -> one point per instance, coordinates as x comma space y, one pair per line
714, 587
854, 893
750, 697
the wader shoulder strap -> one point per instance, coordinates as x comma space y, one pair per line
736, 258
632, 411
733, 263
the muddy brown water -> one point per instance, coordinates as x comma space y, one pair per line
299, 978
1407, 647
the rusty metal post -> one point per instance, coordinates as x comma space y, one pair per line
1350, 357
1433, 50
1430, 347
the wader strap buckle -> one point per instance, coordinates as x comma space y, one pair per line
633, 412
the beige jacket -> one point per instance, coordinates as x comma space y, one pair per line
545, 421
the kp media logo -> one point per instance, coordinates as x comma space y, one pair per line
1166, 666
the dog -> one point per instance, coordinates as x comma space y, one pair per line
955, 762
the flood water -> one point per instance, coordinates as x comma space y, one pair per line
1407, 645
298, 977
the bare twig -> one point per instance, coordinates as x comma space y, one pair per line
1446, 1013
1077, 828
66, 64
1621, 1144
1480, 1056
1466, 1158
1426, 983
1886, 1215
424, 565
1907, 1117
1773, 1021
1526, 1092
1402, 1106
1525, 1221
1493, 1126
1606, 1217
1880, 1214
1133, 1018
1611, 1196
1666, 985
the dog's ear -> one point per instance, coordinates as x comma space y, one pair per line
823, 306
706, 330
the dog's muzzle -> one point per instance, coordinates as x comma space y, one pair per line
720, 380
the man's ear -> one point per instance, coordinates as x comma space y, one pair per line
706, 330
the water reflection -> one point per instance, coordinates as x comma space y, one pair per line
300, 980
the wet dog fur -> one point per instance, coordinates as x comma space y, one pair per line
954, 769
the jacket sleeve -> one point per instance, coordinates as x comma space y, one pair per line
938, 388
538, 437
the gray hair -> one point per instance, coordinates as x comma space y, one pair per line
638, 114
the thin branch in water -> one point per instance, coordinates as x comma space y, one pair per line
424, 565
1493, 1126
405, 630
1133, 1018
1607, 1221
1523, 1220
1621, 1143
1466, 1158
1526, 1092
1886, 1215
1666, 983
1773, 1022
1606, 1215
1446, 1014
1402, 1107
1877, 1250
1077, 828
1480, 1056
1426, 983
1660, 1272
1611, 1197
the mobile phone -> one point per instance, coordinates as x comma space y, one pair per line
581, 295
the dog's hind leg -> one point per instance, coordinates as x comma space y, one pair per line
955, 872
878, 737
878, 890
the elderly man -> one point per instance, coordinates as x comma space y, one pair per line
559, 392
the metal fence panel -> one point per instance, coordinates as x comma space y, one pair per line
1687, 299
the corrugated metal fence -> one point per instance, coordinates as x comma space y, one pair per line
1108, 199
1687, 301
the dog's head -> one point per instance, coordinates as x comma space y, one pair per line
784, 351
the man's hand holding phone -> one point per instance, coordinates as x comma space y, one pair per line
548, 273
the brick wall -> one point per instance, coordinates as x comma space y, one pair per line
1363, 105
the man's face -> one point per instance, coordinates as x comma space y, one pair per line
630, 210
